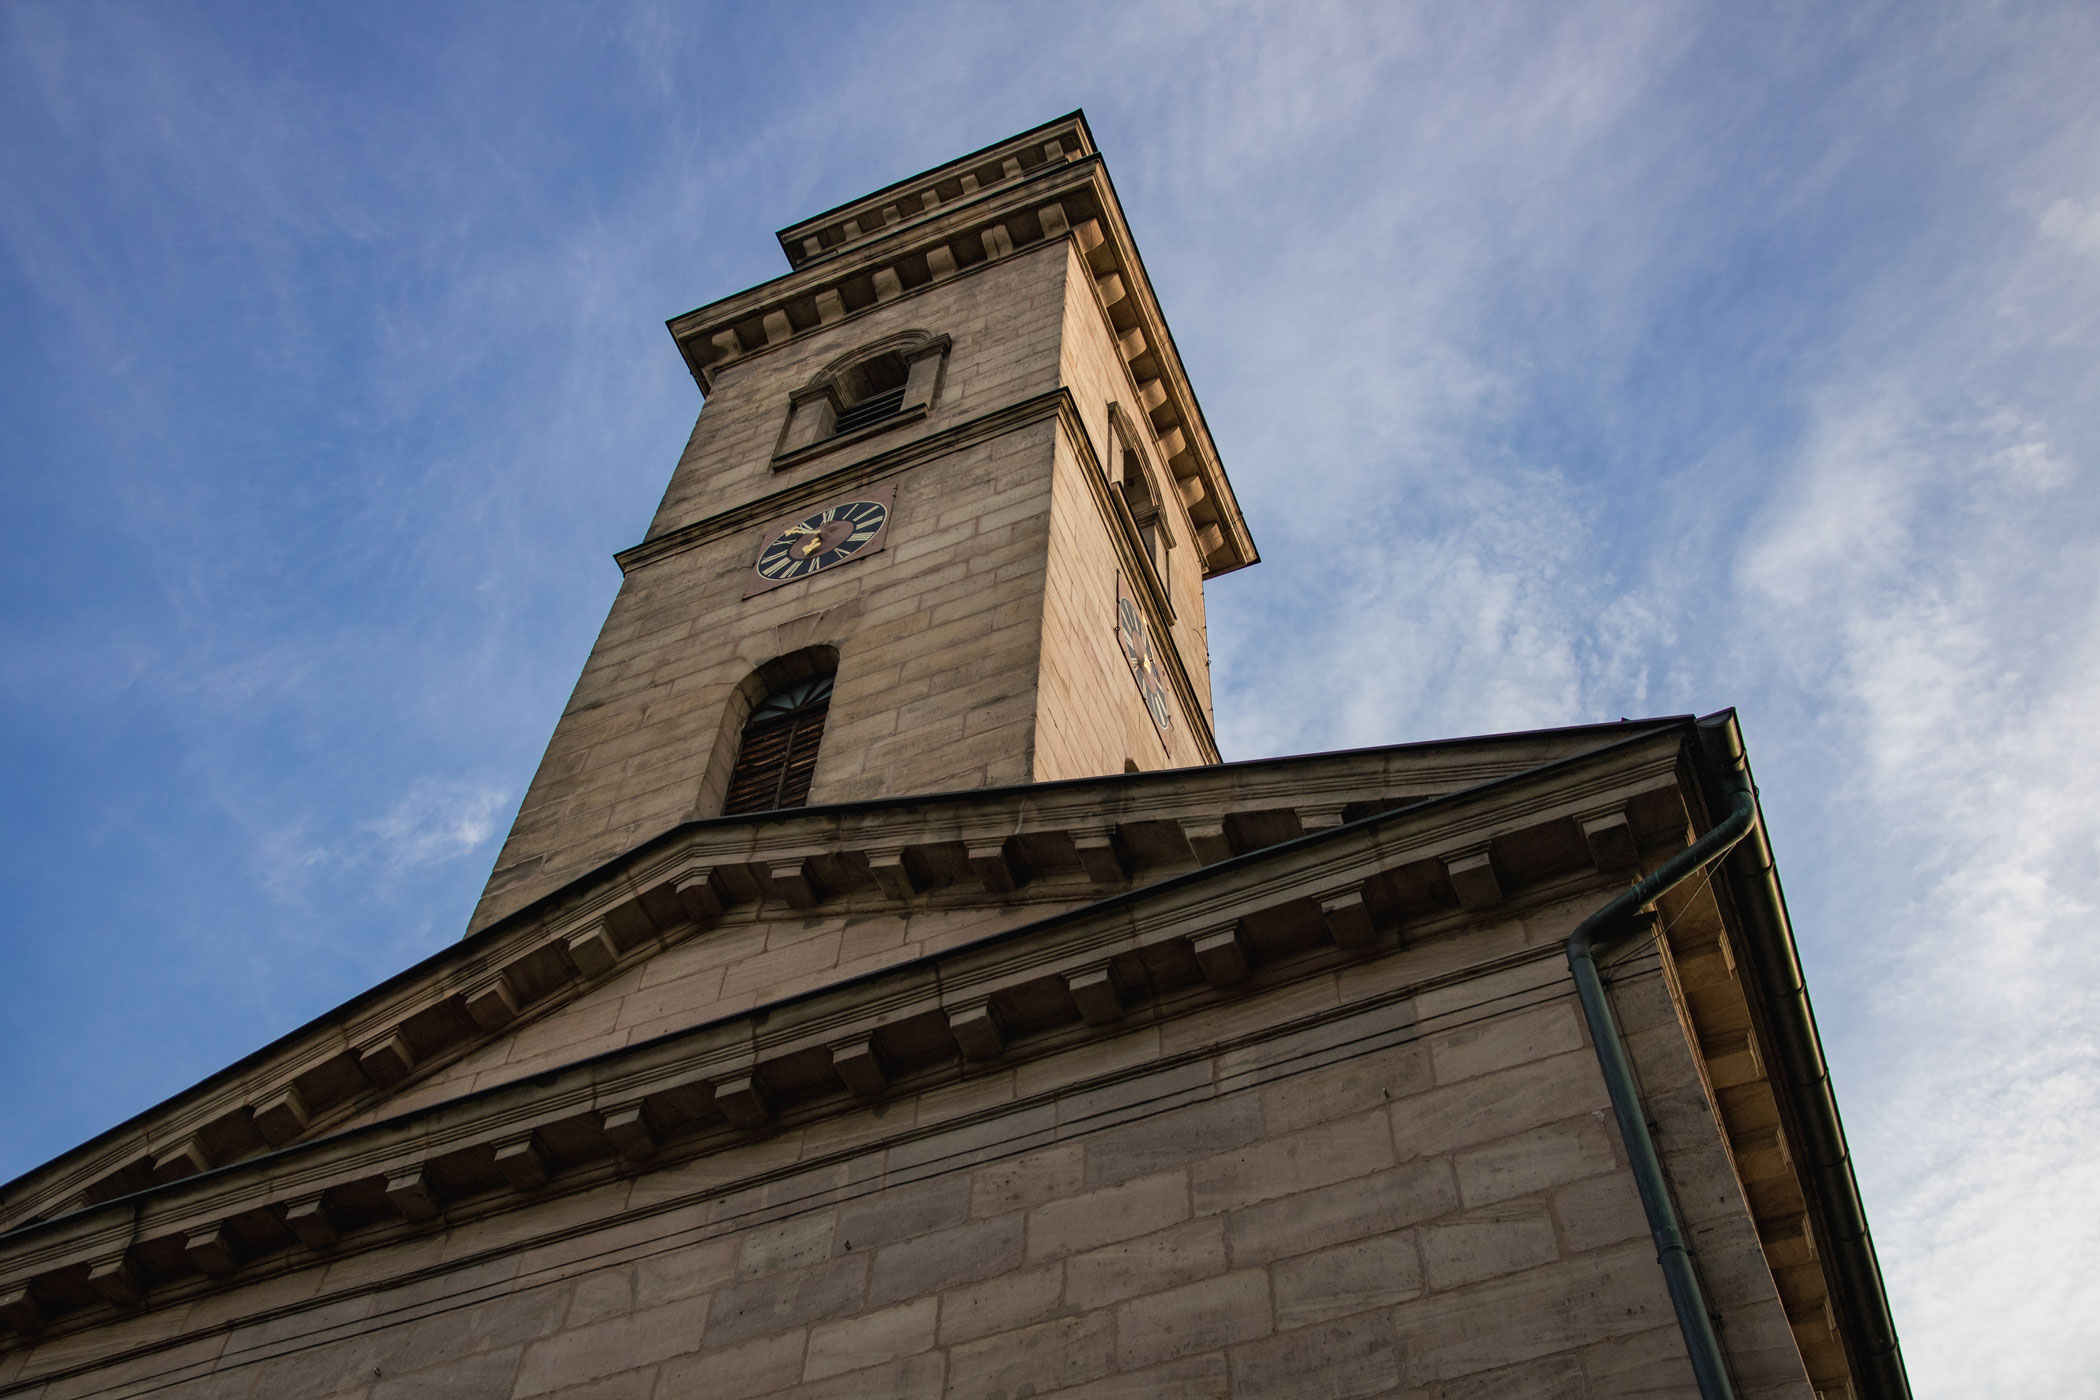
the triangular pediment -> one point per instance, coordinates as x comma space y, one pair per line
718, 917
1013, 925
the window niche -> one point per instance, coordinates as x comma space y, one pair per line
777, 752
1143, 507
765, 755
863, 392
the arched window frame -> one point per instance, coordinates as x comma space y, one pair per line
1144, 513
844, 402
776, 758
768, 679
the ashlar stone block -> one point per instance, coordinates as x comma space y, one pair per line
611, 1346
1350, 1210
750, 1369
1195, 1317
1512, 1038
1487, 1243
1095, 1218
776, 1302
1048, 1357
1003, 1304
1350, 1278
1536, 1161
946, 1259
856, 1343
1281, 1166
1017, 1183
1355, 1356
1177, 1255
1523, 1316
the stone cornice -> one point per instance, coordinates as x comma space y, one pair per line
1181, 432
1342, 893
1085, 837
1759, 980
734, 329
1061, 139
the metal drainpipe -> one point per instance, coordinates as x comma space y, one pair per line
1671, 1249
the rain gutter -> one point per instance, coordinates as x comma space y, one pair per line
1621, 916
1802, 1079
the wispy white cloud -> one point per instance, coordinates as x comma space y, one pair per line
1907, 574
2074, 223
439, 820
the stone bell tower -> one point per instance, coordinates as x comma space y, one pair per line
974, 359
886, 991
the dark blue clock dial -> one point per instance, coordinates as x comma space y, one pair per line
831, 536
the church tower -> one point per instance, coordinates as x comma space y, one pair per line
886, 990
944, 523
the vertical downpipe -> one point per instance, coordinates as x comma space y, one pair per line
1672, 1251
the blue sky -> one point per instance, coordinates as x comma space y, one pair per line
1571, 362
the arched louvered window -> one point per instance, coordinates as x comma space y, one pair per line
870, 392
869, 389
777, 756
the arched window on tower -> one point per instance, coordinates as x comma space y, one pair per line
1136, 484
1132, 479
870, 391
777, 755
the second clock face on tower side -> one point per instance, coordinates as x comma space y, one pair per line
820, 540
1136, 640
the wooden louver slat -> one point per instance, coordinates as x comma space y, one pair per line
801, 760
777, 761
869, 410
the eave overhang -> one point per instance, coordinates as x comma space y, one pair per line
1791, 1049
1105, 833
1351, 891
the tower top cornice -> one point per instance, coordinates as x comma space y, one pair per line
1046, 184
965, 179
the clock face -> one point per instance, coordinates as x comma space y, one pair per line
820, 540
1136, 641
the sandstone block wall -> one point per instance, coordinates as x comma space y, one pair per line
938, 634
1390, 1192
1005, 322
